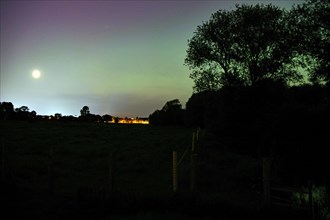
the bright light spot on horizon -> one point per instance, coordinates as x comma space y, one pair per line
36, 74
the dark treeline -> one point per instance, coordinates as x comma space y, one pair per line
290, 125
8, 112
171, 114
262, 86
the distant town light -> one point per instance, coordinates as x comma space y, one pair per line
129, 120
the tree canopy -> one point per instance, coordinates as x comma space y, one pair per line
257, 43
170, 114
84, 111
6, 110
311, 24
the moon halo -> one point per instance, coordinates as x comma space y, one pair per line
36, 73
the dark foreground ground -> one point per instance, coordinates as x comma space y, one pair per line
56, 170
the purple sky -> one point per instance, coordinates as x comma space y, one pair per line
123, 58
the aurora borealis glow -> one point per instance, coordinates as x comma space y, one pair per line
123, 58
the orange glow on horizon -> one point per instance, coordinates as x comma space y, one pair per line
129, 121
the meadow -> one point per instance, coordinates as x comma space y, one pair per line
60, 170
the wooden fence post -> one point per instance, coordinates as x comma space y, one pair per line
175, 171
111, 171
266, 179
3, 170
193, 144
310, 199
193, 160
193, 172
51, 171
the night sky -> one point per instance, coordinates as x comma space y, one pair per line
123, 58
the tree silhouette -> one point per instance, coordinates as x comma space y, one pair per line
201, 108
58, 116
155, 118
22, 112
107, 118
84, 111
313, 34
172, 105
32, 115
242, 47
171, 114
22, 109
85, 114
6, 110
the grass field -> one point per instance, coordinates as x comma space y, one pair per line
228, 184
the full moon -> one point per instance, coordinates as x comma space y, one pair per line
36, 74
